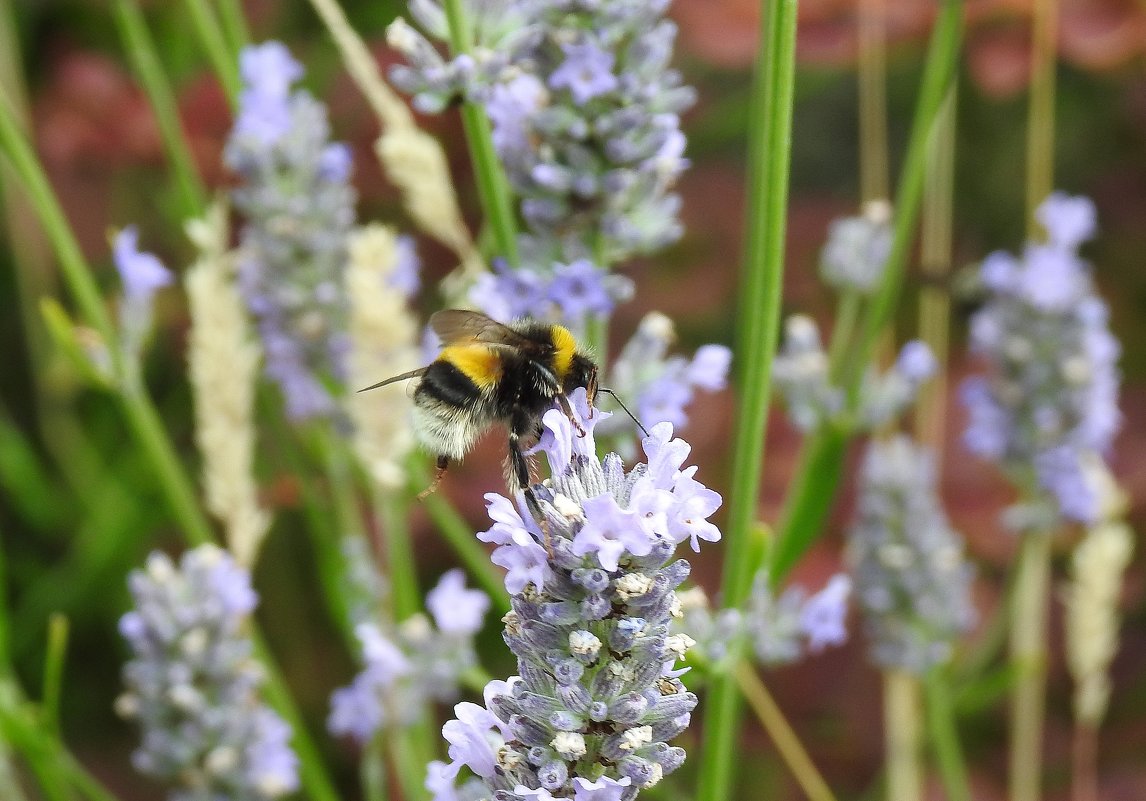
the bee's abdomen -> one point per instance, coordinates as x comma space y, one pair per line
445, 383
450, 410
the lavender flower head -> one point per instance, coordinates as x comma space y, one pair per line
802, 372
911, 577
596, 698
857, 249
663, 386
569, 294
1050, 394
299, 205
415, 663
194, 687
786, 628
584, 109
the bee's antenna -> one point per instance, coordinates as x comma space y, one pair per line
625, 408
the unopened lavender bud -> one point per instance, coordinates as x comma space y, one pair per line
629, 708
642, 772
568, 671
595, 607
553, 775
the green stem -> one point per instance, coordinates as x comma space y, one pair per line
770, 145
372, 770
945, 736
407, 765
872, 79
312, 771
390, 513
54, 671
901, 722
31, 258
329, 531
173, 480
934, 300
234, 24
810, 498
937, 77
59, 774
16, 148
787, 742
847, 313
1029, 624
145, 60
493, 189
1041, 111
210, 34
460, 535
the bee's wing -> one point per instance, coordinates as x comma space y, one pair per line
463, 325
403, 377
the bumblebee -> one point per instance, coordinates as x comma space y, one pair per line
489, 373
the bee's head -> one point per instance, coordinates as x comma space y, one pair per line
582, 373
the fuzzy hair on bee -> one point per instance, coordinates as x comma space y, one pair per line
491, 373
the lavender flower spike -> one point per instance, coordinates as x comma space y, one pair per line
193, 685
911, 578
585, 112
1048, 401
299, 207
596, 700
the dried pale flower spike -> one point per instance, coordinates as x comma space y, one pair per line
911, 577
296, 197
412, 664
596, 699
384, 336
1092, 619
584, 109
1049, 399
223, 363
193, 686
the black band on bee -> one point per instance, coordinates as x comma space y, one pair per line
446, 383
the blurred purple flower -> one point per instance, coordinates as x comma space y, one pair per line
142, 273
579, 289
586, 71
823, 615
457, 610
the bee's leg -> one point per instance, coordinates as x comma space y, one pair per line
563, 402
519, 467
439, 473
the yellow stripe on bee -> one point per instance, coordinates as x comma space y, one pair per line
564, 347
478, 363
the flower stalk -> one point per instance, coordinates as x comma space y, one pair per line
787, 742
492, 186
770, 144
809, 497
